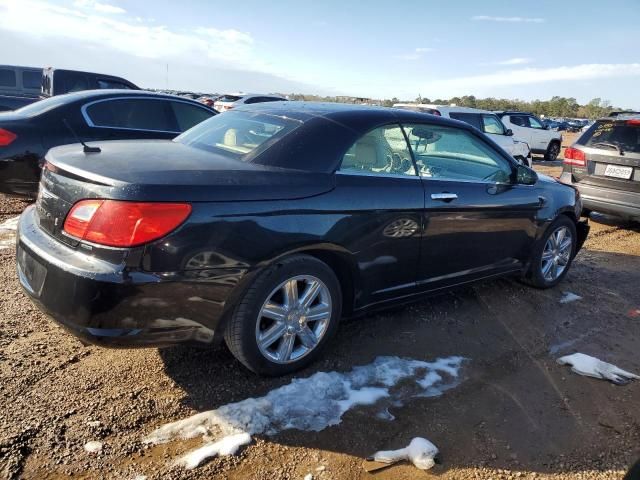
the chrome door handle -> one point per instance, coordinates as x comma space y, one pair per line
443, 196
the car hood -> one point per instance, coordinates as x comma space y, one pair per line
167, 170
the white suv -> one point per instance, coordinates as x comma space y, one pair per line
528, 128
231, 100
484, 120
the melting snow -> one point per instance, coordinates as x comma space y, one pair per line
8, 232
93, 447
421, 452
313, 403
570, 297
592, 367
229, 445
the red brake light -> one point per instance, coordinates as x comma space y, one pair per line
6, 137
124, 224
635, 121
573, 156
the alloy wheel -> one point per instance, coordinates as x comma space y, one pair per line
556, 254
293, 319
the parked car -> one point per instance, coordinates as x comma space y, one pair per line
604, 165
267, 224
56, 81
484, 120
27, 133
19, 86
528, 128
233, 100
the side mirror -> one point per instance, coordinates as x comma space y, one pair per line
509, 132
525, 175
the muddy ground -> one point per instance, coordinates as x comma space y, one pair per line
516, 414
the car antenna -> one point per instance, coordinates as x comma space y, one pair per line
86, 148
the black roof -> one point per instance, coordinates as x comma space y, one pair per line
349, 115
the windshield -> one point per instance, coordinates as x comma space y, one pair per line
241, 135
42, 106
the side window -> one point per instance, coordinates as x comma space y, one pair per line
382, 151
251, 100
31, 80
137, 114
492, 124
518, 120
470, 118
447, 153
7, 78
535, 123
189, 115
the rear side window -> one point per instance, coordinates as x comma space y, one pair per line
188, 115
518, 120
470, 118
605, 134
107, 84
7, 78
31, 80
236, 134
130, 113
228, 98
447, 153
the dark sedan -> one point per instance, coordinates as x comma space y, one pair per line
269, 223
89, 116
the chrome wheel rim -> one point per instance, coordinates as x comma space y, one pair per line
556, 254
293, 319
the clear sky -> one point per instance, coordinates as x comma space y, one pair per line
370, 48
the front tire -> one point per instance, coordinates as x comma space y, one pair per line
286, 316
553, 255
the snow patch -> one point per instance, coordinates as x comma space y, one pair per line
229, 445
569, 297
592, 367
420, 451
93, 447
316, 402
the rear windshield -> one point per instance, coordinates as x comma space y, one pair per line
241, 135
623, 134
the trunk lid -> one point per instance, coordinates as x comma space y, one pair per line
161, 171
612, 153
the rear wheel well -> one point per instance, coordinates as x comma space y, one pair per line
343, 271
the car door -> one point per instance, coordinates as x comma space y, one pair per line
124, 118
477, 220
381, 227
539, 136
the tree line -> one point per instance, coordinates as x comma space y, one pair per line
555, 107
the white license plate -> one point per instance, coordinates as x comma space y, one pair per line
618, 171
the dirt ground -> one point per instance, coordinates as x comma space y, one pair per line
515, 414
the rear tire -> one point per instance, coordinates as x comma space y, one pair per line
552, 257
271, 330
553, 150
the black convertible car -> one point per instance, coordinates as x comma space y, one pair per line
27, 133
267, 224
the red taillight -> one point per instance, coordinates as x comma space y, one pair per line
573, 156
124, 224
6, 137
634, 121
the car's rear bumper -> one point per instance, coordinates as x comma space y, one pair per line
110, 305
607, 200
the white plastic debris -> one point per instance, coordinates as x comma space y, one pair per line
308, 476
8, 233
227, 446
316, 402
421, 452
592, 367
93, 446
570, 297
